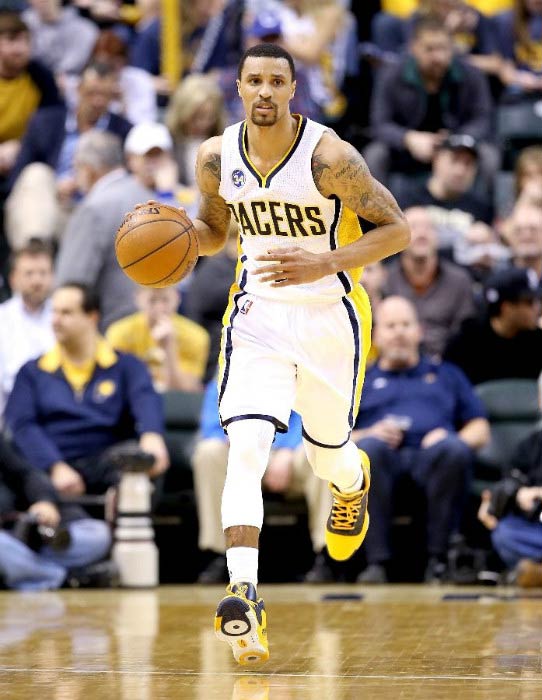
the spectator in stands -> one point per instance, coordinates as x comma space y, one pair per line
149, 157
515, 515
506, 344
195, 113
45, 188
212, 38
472, 31
461, 218
440, 290
173, 347
87, 252
524, 234
266, 27
25, 569
25, 85
207, 293
322, 36
25, 319
288, 472
137, 97
61, 39
69, 407
519, 42
420, 419
426, 96
528, 175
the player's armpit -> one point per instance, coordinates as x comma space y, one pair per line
338, 169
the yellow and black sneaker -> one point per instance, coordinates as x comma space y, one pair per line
240, 621
349, 518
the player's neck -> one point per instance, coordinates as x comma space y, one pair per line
268, 144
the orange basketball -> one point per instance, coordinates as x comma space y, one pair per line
156, 245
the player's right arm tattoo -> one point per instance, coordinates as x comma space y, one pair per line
213, 210
211, 164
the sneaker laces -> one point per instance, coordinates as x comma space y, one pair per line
345, 514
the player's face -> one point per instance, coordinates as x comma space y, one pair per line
70, 321
266, 88
32, 278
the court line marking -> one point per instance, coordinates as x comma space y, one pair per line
127, 672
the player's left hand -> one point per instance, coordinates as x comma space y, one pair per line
292, 266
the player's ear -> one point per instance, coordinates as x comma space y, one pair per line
238, 83
292, 93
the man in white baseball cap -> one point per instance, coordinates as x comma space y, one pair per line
149, 154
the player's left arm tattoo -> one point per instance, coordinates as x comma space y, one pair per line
349, 179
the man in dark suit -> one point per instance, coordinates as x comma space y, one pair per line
43, 180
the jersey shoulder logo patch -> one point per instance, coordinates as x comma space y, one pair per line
238, 178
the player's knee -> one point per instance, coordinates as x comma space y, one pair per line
250, 444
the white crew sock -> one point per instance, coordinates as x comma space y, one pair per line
243, 564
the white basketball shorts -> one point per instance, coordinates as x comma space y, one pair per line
279, 356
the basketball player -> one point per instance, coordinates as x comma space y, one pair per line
298, 324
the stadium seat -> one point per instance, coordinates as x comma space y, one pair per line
518, 125
512, 407
182, 416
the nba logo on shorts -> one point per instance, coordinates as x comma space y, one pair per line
238, 178
246, 306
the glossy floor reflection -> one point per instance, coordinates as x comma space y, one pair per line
388, 642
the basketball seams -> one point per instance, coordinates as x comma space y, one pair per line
118, 238
151, 252
181, 219
163, 279
152, 263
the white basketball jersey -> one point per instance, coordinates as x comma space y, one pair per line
284, 208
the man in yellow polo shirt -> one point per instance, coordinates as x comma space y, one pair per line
25, 85
174, 348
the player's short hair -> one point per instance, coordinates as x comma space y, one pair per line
428, 23
266, 51
35, 247
90, 301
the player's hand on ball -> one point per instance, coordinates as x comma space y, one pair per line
289, 266
153, 203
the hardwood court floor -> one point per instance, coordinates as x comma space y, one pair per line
400, 642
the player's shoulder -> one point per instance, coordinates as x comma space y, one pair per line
211, 146
332, 148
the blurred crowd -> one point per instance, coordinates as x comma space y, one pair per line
444, 100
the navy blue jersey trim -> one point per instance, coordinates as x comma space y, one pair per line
228, 348
242, 140
357, 341
279, 425
322, 444
291, 153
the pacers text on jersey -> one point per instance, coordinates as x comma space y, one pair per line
262, 218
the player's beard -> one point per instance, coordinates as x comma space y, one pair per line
267, 119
